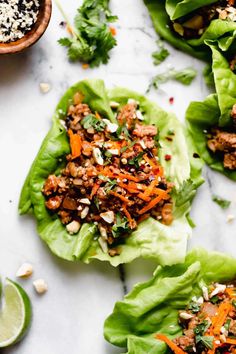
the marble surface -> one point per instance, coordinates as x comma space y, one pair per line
69, 318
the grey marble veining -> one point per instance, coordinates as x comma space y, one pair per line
69, 318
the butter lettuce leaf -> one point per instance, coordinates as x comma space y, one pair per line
163, 12
152, 307
213, 111
165, 244
179, 8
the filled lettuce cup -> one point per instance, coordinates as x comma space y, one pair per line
189, 308
212, 123
114, 179
187, 25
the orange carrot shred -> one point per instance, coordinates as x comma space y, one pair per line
85, 66
75, 144
94, 190
144, 197
153, 202
223, 311
127, 214
121, 197
113, 30
170, 344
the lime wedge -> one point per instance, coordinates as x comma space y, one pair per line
15, 314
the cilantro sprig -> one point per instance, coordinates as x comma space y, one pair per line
184, 76
91, 38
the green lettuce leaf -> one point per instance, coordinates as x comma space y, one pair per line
179, 8
214, 111
152, 307
221, 31
166, 244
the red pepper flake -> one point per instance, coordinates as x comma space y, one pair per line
171, 100
167, 157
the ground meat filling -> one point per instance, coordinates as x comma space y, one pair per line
194, 24
112, 177
209, 323
223, 143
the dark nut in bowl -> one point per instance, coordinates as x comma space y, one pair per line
39, 15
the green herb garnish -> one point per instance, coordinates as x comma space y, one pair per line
161, 54
214, 299
90, 121
136, 160
194, 307
121, 226
227, 324
199, 330
91, 38
223, 203
206, 341
184, 76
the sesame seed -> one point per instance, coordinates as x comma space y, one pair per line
17, 17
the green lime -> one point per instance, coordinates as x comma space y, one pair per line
15, 315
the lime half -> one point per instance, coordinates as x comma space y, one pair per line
15, 314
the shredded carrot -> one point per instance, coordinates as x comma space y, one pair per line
230, 341
144, 197
94, 190
119, 175
75, 144
85, 66
97, 115
150, 188
170, 344
128, 187
231, 292
121, 197
127, 214
223, 311
153, 202
113, 30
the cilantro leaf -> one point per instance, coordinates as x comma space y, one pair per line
206, 341
136, 160
194, 307
91, 39
91, 121
184, 76
121, 226
223, 203
161, 54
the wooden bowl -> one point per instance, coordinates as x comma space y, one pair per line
34, 34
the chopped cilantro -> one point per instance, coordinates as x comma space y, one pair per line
91, 121
184, 76
194, 307
201, 328
223, 203
121, 226
110, 184
136, 160
206, 341
161, 54
92, 38
227, 324
214, 299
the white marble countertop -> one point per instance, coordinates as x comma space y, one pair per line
69, 318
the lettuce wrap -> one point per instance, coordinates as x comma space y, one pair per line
163, 12
152, 239
152, 307
214, 111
